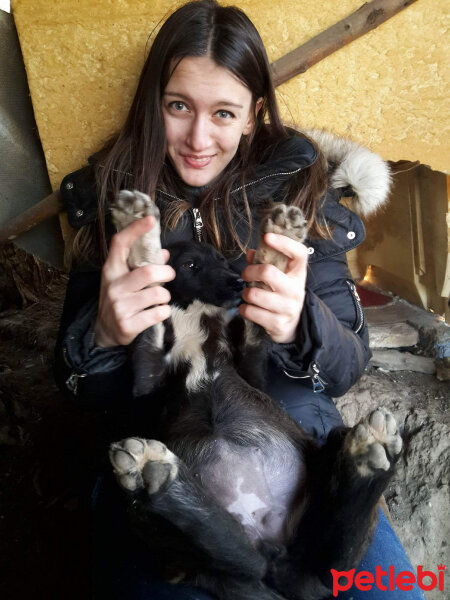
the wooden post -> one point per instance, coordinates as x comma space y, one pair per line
48, 207
366, 18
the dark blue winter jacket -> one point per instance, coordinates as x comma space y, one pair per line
331, 349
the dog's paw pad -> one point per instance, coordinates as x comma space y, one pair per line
374, 443
135, 445
140, 464
136, 204
131, 206
285, 220
384, 425
155, 475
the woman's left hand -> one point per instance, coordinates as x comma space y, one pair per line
278, 308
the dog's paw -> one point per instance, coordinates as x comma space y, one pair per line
285, 220
143, 464
130, 207
374, 443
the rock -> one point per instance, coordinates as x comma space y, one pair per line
443, 369
393, 360
425, 467
398, 335
418, 496
392, 326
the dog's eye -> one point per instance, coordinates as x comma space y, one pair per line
189, 265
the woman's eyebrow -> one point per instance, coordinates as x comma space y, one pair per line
219, 102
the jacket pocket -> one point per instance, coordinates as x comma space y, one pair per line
360, 319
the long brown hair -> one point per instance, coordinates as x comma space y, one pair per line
135, 157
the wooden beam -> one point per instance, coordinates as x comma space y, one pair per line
369, 16
48, 207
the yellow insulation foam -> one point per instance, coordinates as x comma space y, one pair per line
389, 90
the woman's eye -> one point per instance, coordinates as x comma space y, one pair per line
177, 105
225, 114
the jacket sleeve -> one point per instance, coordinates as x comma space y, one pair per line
91, 377
332, 345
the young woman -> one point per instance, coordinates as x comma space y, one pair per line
204, 138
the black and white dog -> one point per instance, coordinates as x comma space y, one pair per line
234, 496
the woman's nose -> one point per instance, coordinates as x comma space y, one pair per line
199, 134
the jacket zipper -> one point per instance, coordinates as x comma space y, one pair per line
72, 381
318, 384
359, 308
198, 224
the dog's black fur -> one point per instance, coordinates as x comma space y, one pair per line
230, 443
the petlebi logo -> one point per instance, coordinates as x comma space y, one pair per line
388, 580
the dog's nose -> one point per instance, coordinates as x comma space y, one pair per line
237, 284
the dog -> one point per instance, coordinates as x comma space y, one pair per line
232, 495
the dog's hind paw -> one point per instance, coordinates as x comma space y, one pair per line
374, 443
143, 464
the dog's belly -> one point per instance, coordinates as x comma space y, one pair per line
256, 485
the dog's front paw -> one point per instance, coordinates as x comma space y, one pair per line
374, 443
130, 207
285, 220
143, 464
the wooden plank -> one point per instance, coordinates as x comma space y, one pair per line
445, 292
416, 225
43, 210
369, 16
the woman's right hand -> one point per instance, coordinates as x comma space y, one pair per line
127, 306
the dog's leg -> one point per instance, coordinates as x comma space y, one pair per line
346, 479
148, 348
252, 351
161, 484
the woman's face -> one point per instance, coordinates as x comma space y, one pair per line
206, 111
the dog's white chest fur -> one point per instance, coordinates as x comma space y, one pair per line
189, 339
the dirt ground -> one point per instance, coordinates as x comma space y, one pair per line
47, 468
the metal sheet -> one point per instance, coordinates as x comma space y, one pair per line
23, 175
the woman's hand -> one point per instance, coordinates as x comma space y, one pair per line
277, 309
125, 298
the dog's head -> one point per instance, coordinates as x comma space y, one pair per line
202, 273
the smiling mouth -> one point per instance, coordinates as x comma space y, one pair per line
197, 161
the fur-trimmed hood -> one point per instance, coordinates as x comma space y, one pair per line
353, 166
